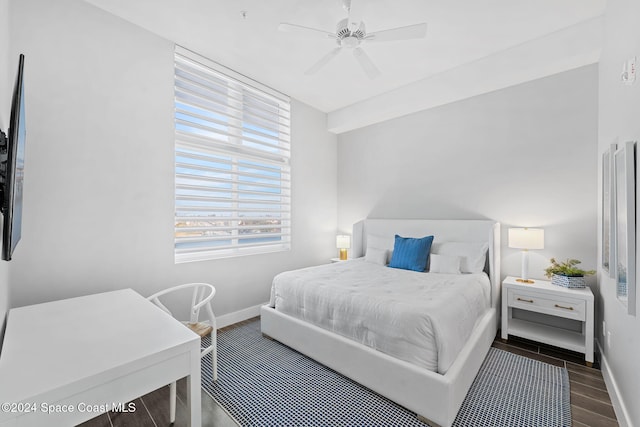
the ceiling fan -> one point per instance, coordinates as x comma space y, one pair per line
351, 34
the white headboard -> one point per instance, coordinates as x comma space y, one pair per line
475, 231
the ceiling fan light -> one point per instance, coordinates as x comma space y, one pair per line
350, 42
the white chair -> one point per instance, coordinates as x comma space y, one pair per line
201, 297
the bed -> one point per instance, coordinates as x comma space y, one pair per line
434, 384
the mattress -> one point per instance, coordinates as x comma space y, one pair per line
422, 318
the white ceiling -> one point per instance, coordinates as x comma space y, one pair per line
459, 32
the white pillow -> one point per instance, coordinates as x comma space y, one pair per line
379, 242
444, 264
472, 255
376, 256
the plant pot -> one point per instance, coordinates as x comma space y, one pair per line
568, 281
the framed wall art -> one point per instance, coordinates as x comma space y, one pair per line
625, 230
608, 212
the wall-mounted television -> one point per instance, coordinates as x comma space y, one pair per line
12, 169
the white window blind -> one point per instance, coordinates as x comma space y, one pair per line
232, 171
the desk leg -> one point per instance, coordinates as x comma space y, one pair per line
193, 390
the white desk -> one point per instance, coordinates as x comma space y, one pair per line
86, 354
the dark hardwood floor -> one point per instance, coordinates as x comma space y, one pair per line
590, 402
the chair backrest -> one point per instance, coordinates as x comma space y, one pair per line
202, 295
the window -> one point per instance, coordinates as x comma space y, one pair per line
232, 172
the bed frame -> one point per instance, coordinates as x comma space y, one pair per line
435, 398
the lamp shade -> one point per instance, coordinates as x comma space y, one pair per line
343, 242
526, 238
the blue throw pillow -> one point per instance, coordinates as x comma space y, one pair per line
410, 253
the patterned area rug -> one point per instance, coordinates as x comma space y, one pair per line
264, 383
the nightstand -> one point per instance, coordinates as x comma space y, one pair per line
339, 260
549, 314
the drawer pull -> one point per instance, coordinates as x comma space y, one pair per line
525, 300
566, 308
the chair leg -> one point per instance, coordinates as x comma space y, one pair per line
214, 354
172, 403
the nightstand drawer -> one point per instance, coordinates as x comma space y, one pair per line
557, 306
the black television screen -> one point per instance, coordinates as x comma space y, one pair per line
13, 170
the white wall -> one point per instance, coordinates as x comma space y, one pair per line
98, 207
5, 108
524, 156
619, 121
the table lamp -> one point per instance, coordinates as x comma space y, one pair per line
343, 242
525, 239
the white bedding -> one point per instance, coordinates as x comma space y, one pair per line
422, 318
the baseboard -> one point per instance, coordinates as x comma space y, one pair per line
624, 420
238, 316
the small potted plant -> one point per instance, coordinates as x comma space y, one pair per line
567, 274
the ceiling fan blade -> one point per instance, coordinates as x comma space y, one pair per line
365, 62
299, 29
356, 11
416, 31
322, 62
